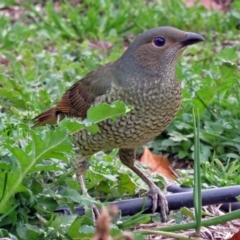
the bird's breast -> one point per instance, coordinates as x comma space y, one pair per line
154, 107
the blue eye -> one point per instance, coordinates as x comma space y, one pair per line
159, 41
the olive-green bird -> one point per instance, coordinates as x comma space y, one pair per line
143, 77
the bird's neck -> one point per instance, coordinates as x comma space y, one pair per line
135, 73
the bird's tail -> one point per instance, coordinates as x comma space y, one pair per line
47, 117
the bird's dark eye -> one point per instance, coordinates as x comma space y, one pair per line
159, 41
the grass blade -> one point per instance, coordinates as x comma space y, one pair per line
197, 195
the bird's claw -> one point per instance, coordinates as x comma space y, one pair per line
95, 213
159, 200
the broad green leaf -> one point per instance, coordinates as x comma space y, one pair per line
73, 194
228, 54
102, 111
80, 230
86, 229
29, 232
42, 148
63, 223
47, 203
50, 144
72, 125
96, 114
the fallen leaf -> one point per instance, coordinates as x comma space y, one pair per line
4, 61
217, 5
236, 236
100, 45
158, 164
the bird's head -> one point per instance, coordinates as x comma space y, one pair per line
159, 48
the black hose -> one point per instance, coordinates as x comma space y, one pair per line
175, 201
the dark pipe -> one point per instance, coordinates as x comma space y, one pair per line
175, 201
227, 207
174, 188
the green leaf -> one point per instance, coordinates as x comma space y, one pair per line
73, 194
63, 223
46, 204
187, 212
29, 232
86, 229
126, 185
138, 236
42, 148
41, 167
4, 166
72, 125
96, 114
52, 142
228, 54
74, 229
102, 111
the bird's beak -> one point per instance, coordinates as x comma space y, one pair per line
191, 38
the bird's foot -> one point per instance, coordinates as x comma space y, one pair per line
95, 213
94, 209
159, 200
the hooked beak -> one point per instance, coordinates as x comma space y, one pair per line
191, 38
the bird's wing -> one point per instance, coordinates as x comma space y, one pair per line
78, 98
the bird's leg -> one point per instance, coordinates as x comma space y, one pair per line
127, 157
81, 166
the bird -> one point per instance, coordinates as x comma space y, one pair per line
144, 77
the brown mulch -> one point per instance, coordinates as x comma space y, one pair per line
226, 231
218, 232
